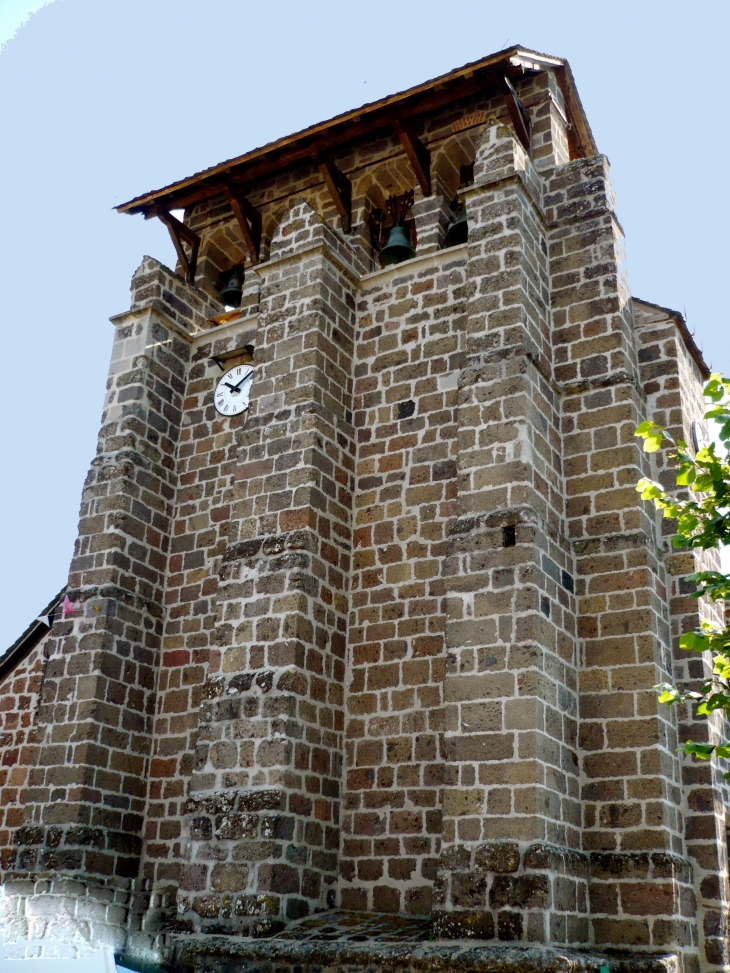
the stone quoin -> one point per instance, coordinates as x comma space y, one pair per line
364, 675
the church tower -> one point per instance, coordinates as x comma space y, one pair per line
365, 614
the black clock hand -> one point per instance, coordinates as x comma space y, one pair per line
233, 388
244, 379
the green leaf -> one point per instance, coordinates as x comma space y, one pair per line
686, 476
721, 667
687, 522
694, 642
714, 390
703, 751
701, 509
652, 435
669, 696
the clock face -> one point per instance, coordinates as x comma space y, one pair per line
699, 436
233, 391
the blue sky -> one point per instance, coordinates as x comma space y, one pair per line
101, 101
14, 13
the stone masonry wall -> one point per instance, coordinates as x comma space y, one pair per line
510, 685
81, 841
629, 764
673, 384
205, 466
268, 836
632, 821
408, 357
19, 693
388, 640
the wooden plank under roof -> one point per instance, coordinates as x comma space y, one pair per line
342, 129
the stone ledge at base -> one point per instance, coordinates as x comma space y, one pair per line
229, 954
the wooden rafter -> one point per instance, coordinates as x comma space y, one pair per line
179, 233
336, 134
517, 113
418, 156
339, 186
580, 138
248, 219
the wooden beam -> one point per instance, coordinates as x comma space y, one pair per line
517, 113
265, 162
344, 128
418, 156
179, 232
580, 138
337, 133
184, 231
248, 219
339, 186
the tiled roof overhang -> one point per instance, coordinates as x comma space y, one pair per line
338, 131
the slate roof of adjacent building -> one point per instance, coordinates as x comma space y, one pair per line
25, 643
680, 321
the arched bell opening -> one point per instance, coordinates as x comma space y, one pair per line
393, 229
230, 287
391, 179
456, 171
273, 217
222, 252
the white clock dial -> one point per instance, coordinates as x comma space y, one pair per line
698, 434
233, 391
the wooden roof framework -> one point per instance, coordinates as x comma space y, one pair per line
400, 113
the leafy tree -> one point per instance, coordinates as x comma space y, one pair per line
702, 521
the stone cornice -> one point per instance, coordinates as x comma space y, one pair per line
233, 328
503, 178
153, 308
421, 261
317, 248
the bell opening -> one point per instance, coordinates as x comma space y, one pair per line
231, 287
458, 232
398, 248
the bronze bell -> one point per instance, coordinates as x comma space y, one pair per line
231, 292
398, 248
458, 232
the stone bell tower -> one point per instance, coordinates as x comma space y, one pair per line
379, 651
